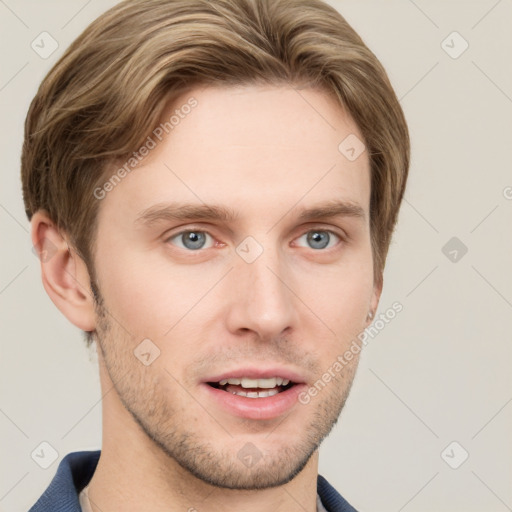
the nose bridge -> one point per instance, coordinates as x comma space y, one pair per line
261, 301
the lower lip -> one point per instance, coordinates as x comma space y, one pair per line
266, 408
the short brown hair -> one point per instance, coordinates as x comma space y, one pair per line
104, 96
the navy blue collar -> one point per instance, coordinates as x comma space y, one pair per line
76, 469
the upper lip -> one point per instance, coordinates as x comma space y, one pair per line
253, 372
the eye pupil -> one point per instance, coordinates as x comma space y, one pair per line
193, 239
318, 239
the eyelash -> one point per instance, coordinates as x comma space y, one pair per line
311, 230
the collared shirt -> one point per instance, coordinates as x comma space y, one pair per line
85, 504
64, 494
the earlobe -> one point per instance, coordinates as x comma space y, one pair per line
64, 274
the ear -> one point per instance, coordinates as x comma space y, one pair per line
64, 274
375, 298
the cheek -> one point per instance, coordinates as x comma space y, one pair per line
340, 296
147, 295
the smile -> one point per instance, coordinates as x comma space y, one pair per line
253, 388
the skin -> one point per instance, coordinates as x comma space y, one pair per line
267, 153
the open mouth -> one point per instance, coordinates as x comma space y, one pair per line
253, 388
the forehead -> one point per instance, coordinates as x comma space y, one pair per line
253, 148
302, 122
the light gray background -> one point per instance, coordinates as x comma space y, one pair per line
438, 373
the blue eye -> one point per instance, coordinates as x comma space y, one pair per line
191, 240
195, 240
320, 239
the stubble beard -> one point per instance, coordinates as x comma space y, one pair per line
146, 398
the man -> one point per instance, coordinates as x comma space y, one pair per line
212, 187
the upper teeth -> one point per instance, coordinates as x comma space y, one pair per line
256, 383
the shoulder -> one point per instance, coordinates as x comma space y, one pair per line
332, 500
73, 474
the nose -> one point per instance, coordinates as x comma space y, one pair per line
261, 299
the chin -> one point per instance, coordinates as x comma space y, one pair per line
249, 475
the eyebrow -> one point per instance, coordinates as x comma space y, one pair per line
183, 211
190, 212
333, 209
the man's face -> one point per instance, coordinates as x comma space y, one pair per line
267, 293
